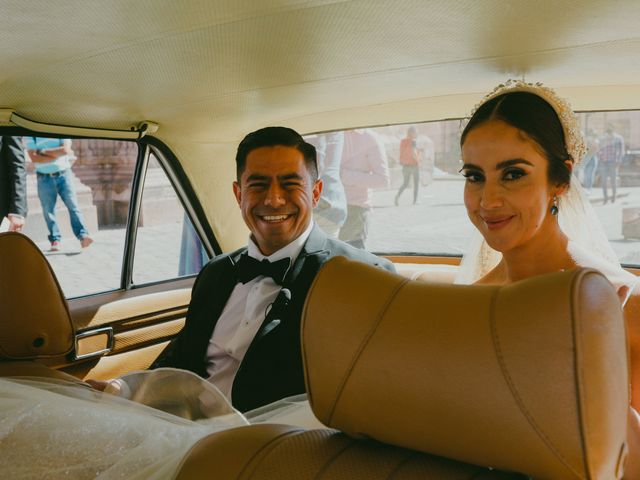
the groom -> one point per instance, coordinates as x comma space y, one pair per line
242, 330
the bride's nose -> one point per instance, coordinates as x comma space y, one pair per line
491, 196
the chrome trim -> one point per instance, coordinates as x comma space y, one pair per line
92, 333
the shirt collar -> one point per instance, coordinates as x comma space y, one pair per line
292, 250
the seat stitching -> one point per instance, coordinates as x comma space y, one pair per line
363, 345
333, 458
400, 464
582, 405
514, 391
264, 450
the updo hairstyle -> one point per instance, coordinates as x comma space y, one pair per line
534, 117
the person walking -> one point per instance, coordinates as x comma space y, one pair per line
410, 161
610, 154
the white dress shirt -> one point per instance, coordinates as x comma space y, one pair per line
243, 315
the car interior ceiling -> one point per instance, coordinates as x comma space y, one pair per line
351, 64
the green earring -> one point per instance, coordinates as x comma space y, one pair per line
554, 207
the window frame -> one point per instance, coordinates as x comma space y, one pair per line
186, 195
180, 183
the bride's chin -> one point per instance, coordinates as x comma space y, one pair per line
498, 246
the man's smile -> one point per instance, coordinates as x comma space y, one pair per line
275, 218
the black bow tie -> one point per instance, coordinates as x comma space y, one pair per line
249, 268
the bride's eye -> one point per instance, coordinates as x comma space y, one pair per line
472, 176
513, 174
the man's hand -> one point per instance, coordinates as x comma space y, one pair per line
98, 384
16, 222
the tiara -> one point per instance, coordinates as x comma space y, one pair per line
568, 120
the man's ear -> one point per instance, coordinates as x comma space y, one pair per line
237, 192
317, 191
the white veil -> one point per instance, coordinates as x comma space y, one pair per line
52, 428
588, 244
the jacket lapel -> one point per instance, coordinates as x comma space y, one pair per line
298, 280
222, 285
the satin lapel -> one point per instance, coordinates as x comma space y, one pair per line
298, 279
221, 289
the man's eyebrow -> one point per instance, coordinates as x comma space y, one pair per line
290, 176
514, 161
257, 176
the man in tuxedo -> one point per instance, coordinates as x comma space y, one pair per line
242, 330
13, 183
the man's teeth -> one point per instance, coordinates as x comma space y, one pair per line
274, 218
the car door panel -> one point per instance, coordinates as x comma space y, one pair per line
141, 322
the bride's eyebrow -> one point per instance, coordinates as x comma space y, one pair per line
470, 166
514, 161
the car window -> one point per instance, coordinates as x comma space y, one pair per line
397, 189
364, 171
78, 195
79, 202
167, 245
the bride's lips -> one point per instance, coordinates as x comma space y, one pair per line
496, 223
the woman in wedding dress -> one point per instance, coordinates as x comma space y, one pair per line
519, 150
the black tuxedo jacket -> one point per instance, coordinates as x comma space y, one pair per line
272, 366
13, 181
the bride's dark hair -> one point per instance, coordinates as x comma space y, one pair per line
534, 117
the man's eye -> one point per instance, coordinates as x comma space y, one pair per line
471, 176
291, 184
511, 175
257, 185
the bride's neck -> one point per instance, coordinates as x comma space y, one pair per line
545, 253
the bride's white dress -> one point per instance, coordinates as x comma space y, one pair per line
53, 429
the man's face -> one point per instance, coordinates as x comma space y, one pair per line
276, 196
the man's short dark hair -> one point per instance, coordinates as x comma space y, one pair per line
271, 137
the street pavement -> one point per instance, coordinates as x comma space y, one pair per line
438, 224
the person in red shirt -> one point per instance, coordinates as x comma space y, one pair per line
409, 159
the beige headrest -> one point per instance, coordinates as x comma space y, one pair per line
34, 318
530, 377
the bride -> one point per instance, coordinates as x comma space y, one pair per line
519, 150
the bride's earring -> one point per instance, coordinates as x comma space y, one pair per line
554, 207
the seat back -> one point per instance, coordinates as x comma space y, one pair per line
529, 377
34, 322
283, 452
444, 381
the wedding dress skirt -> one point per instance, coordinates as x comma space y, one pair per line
51, 429
141, 427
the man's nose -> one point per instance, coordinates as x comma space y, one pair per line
491, 196
275, 196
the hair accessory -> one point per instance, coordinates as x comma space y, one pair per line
554, 207
568, 120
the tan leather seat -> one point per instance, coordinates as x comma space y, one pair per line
530, 377
35, 323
